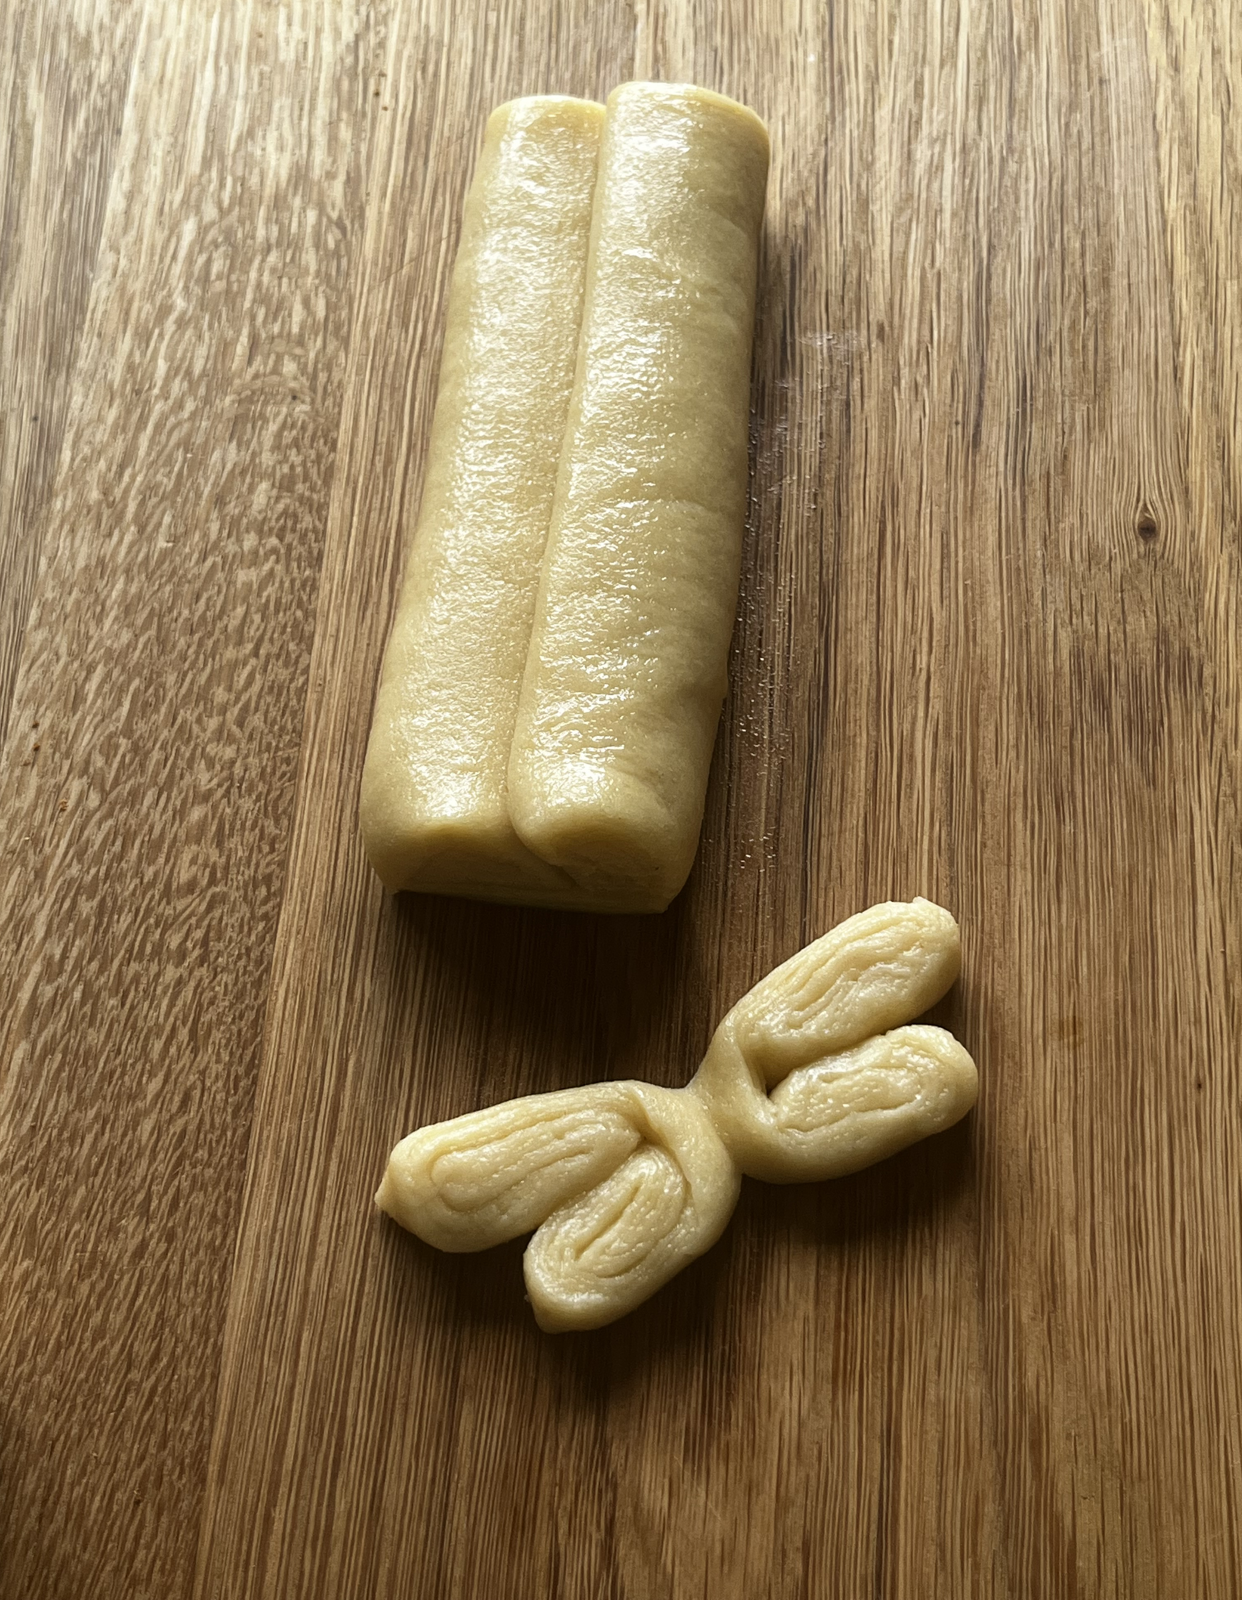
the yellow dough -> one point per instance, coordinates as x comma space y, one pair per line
625, 1182
812, 1076
550, 694
433, 806
626, 673
815, 1073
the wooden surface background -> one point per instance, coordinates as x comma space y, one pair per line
988, 651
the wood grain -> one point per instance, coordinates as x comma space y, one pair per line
987, 651
64, 74
151, 762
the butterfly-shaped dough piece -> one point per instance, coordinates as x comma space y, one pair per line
816, 1072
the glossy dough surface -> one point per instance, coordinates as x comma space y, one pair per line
434, 810
814, 1073
551, 691
626, 672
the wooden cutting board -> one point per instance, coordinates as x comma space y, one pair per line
988, 651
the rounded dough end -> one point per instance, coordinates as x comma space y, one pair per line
610, 834
691, 93
410, 849
527, 107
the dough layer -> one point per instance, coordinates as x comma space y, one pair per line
626, 672
434, 810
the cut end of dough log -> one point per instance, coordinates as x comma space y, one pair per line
605, 831
476, 855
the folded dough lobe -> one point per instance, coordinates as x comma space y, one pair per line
822, 1032
606, 1251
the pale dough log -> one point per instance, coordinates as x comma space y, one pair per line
626, 671
589, 792
816, 1072
433, 805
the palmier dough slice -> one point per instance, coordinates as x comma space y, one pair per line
434, 812
626, 670
811, 1074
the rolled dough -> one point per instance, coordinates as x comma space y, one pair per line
551, 690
